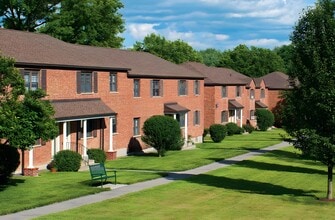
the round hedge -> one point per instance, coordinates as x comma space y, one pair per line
233, 128
68, 161
218, 132
98, 155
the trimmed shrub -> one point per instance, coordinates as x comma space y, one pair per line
98, 155
9, 162
233, 128
265, 119
248, 128
217, 132
162, 133
67, 160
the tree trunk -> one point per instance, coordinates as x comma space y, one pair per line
22, 161
330, 182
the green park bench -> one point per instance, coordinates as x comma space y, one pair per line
98, 172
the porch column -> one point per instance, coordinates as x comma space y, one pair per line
64, 135
186, 128
31, 158
235, 116
175, 116
241, 115
85, 138
111, 120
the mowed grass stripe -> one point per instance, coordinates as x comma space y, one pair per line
247, 190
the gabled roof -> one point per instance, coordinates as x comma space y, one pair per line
277, 80
44, 51
258, 82
218, 76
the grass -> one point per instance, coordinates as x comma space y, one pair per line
277, 185
205, 153
29, 192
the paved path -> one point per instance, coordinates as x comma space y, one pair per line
125, 189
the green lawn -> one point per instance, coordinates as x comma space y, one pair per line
277, 185
205, 153
28, 192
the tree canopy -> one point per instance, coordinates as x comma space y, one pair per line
211, 56
253, 61
285, 52
26, 15
88, 22
175, 51
309, 109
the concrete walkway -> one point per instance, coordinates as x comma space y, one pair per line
120, 190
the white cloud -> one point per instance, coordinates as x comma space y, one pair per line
268, 43
139, 31
175, 35
221, 37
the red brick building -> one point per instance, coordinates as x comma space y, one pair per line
276, 83
230, 96
102, 96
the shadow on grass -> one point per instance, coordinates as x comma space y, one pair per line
248, 186
11, 182
279, 167
150, 154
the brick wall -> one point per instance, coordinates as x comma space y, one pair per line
61, 84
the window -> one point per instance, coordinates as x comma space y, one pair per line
156, 87
238, 91
182, 87
85, 82
252, 115
224, 116
136, 126
252, 94
231, 116
113, 82
91, 132
262, 93
136, 88
181, 119
31, 79
90, 128
114, 125
196, 87
196, 119
224, 91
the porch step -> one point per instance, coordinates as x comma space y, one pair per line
84, 164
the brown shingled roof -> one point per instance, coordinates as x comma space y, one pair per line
43, 51
277, 80
218, 76
71, 109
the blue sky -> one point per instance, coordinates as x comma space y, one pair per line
219, 24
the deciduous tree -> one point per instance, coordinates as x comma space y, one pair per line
309, 110
25, 116
87, 22
175, 51
253, 61
26, 15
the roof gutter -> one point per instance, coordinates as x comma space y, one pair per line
69, 67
